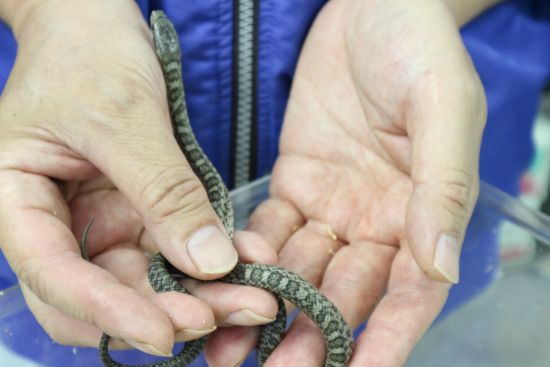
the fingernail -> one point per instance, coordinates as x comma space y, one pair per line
446, 257
211, 251
184, 335
246, 318
148, 348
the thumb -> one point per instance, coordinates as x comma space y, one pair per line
145, 163
446, 138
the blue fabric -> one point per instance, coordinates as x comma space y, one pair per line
8, 49
279, 49
510, 51
508, 45
539, 9
205, 29
206, 34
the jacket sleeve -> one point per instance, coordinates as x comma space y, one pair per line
7, 53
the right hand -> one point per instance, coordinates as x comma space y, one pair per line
85, 132
376, 178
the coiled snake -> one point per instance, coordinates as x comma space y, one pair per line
280, 282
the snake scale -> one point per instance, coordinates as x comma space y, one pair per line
280, 282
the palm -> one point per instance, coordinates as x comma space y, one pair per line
116, 223
345, 152
367, 74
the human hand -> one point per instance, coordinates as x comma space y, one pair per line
85, 132
377, 177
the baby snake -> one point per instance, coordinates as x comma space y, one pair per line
280, 282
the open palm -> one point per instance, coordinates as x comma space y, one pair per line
378, 163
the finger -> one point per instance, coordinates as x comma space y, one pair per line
37, 241
230, 346
129, 265
254, 249
198, 319
445, 129
308, 252
275, 220
240, 305
233, 304
211, 303
58, 325
403, 315
152, 172
354, 281
242, 341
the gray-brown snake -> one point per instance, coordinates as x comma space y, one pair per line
280, 282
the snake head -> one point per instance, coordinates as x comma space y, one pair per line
165, 37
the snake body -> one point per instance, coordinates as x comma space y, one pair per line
280, 282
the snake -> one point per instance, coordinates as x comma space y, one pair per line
280, 282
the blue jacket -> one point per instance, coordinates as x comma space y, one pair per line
508, 44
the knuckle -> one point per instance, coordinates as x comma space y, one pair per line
459, 192
171, 192
29, 272
35, 274
32, 272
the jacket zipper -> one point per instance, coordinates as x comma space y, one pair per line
244, 108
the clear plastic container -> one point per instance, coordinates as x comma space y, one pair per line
499, 315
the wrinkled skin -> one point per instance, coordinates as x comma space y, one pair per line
85, 132
380, 146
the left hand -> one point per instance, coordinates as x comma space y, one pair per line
85, 131
377, 177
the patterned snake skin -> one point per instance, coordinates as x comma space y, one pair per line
280, 282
